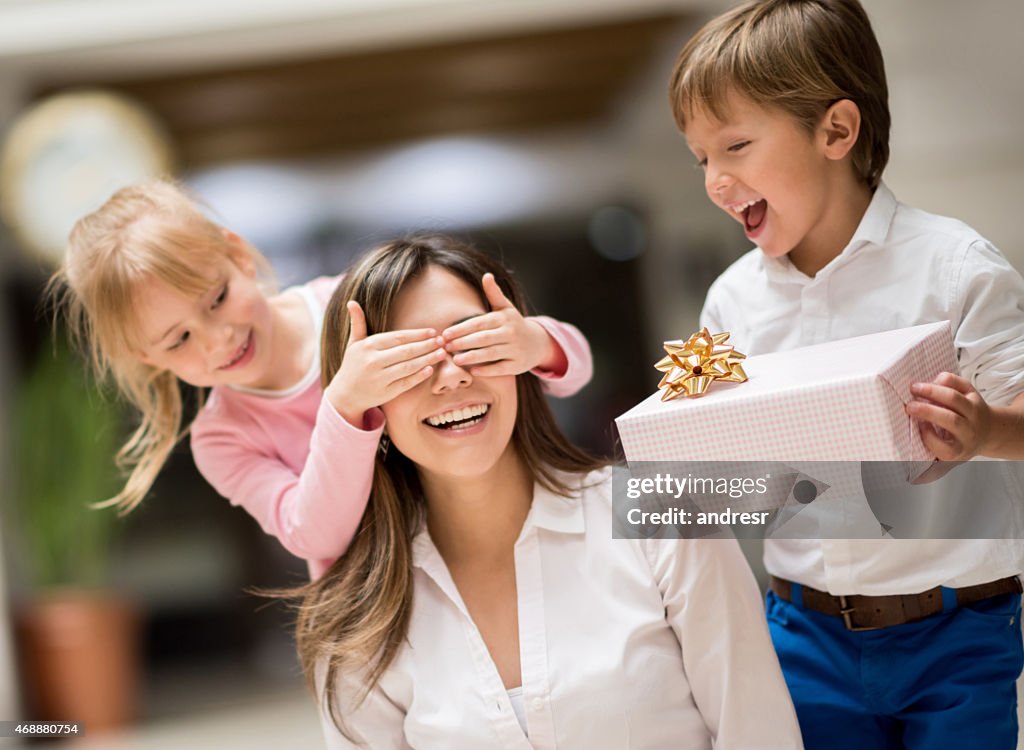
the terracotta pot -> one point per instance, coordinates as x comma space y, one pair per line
80, 658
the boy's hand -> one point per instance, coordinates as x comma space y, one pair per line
377, 368
956, 423
502, 342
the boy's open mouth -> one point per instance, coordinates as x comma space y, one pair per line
753, 216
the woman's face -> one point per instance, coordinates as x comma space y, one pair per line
452, 424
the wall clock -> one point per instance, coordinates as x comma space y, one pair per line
64, 156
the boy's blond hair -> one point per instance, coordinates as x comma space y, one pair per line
800, 56
152, 230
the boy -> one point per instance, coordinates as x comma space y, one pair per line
884, 643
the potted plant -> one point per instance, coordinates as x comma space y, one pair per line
78, 639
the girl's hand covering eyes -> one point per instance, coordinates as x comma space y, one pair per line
377, 368
502, 342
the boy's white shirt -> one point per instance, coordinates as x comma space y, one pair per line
903, 267
649, 643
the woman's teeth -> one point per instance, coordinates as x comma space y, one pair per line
464, 417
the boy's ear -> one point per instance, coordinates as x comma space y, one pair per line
840, 127
239, 253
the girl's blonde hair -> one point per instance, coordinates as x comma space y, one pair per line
150, 230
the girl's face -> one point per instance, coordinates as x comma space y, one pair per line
220, 336
452, 424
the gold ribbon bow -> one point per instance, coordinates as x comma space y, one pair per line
693, 365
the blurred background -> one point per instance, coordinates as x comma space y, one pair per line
538, 128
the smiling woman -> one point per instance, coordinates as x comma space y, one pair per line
453, 424
483, 602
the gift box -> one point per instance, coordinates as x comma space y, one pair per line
839, 401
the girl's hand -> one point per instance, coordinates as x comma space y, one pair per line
377, 368
502, 342
955, 420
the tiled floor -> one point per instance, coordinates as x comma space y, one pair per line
286, 720
227, 707
216, 706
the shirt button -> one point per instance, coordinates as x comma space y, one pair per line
538, 704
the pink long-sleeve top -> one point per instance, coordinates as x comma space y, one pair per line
297, 466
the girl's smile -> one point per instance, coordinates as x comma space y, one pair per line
244, 355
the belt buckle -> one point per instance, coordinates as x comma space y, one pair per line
846, 610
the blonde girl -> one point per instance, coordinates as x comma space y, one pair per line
156, 292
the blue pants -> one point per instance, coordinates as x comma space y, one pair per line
947, 681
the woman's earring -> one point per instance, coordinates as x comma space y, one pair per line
383, 445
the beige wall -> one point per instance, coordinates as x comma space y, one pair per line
957, 98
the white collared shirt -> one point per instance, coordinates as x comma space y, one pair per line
903, 267
623, 644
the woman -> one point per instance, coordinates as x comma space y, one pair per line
484, 603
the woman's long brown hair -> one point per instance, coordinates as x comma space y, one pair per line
356, 616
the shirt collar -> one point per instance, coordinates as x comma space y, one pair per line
556, 512
874, 225
872, 229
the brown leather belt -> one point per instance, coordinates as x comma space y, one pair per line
875, 612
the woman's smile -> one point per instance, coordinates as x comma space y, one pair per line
460, 420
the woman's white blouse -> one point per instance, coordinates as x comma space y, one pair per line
650, 644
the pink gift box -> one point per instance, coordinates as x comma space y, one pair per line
840, 401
